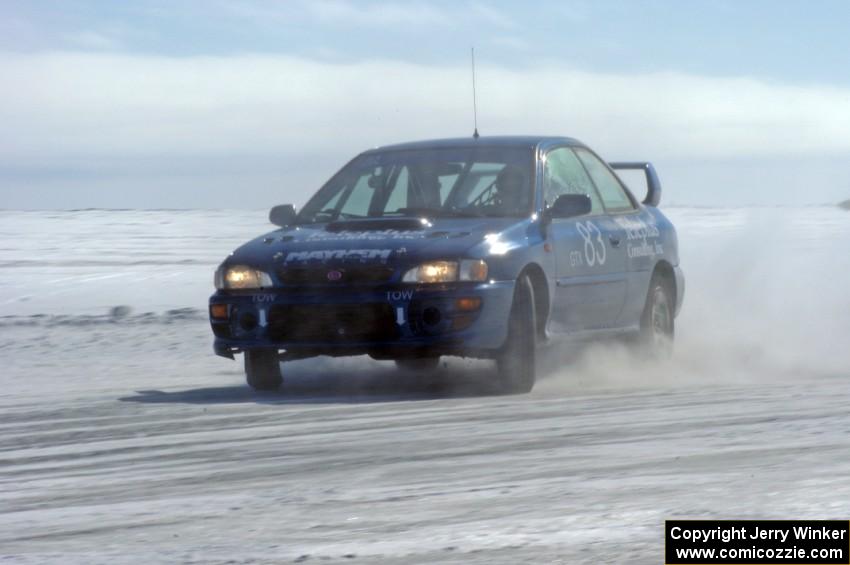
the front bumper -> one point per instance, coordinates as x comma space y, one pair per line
391, 321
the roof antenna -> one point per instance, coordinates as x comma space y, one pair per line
474, 104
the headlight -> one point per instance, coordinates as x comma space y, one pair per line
447, 271
241, 277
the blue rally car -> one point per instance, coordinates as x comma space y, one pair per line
481, 247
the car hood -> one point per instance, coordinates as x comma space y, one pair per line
381, 240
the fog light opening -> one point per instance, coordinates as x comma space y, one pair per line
431, 316
462, 321
248, 321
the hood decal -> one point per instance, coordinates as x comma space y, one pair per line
324, 255
365, 235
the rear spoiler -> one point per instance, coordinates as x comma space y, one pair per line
653, 185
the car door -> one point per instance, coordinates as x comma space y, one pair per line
590, 263
621, 211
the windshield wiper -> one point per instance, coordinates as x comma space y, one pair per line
417, 211
468, 212
334, 215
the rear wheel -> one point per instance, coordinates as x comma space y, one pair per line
656, 324
418, 365
517, 360
262, 369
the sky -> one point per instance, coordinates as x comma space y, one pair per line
214, 104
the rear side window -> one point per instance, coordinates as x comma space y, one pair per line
613, 195
564, 174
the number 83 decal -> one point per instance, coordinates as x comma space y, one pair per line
594, 246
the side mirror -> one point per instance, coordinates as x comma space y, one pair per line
282, 215
570, 206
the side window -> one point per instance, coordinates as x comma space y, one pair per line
564, 174
613, 195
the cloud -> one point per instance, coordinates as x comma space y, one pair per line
487, 14
89, 39
108, 114
74, 103
512, 42
387, 15
383, 14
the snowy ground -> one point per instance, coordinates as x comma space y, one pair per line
123, 439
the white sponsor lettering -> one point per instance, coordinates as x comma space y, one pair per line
395, 295
645, 249
636, 228
366, 235
323, 255
638, 234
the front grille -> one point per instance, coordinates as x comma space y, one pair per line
334, 323
344, 274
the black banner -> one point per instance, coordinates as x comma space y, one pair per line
757, 542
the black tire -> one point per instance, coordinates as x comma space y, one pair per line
657, 326
517, 361
418, 364
262, 369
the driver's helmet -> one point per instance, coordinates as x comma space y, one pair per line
423, 190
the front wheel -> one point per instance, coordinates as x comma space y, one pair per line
656, 324
262, 369
517, 360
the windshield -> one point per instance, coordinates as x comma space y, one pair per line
452, 182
